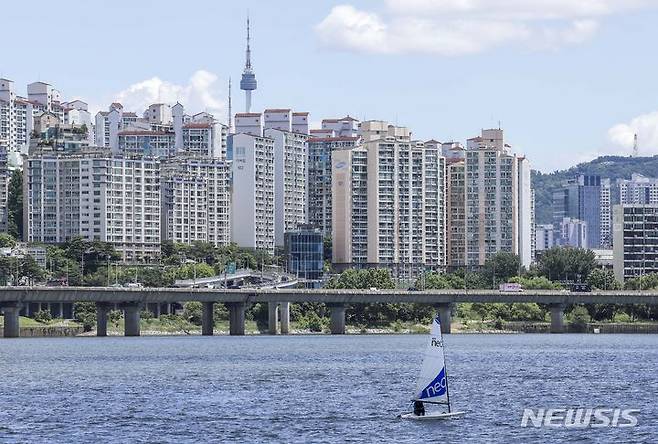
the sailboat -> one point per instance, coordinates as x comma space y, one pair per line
432, 383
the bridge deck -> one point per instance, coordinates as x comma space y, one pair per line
163, 295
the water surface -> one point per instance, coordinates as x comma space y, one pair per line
316, 388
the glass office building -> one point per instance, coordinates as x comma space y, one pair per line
304, 252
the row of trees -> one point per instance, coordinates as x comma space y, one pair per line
80, 262
554, 269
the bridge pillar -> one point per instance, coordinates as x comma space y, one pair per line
444, 311
285, 317
11, 313
131, 319
236, 318
207, 321
272, 317
557, 318
102, 309
337, 319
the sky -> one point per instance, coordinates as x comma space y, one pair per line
568, 80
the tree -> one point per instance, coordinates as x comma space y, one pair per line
501, 267
85, 313
580, 318
536, 283
644, 282
193, 312
15, 205
62, 267
564, 263
192, 271
43, 316
167, 248
362, 279
30, 269
7, 241
92, 254
327, 247
603, 280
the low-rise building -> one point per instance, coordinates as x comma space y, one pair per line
545, 237
304, 252
635, 240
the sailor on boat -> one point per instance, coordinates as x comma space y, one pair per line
419, 408
432, 382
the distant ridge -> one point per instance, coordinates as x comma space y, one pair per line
612, 167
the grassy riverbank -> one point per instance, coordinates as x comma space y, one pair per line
30, 322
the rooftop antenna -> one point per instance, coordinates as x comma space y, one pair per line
230, 118
635, 147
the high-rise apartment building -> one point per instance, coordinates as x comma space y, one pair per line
290, 155
96, 196
252, 205
184, 208
320, 151
286, 132
456, 215
388, 202
497, 202
5, 176
196, 191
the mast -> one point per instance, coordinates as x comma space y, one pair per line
445, 369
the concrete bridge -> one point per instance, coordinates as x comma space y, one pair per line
133, 300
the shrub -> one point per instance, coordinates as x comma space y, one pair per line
43, 316
580, 318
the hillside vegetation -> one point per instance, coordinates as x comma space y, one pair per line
613, 167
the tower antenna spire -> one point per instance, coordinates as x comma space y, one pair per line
248, 61
636, 150
230, 113
248, 81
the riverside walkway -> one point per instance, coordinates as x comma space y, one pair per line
133, 300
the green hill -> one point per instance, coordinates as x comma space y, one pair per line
612, 167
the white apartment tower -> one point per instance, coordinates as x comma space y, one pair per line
497, 201
184, 208
197, 190
96, 196
290, 154
388, 202
252, 223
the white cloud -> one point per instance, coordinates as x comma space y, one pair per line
202, 92
645, 126
515, 9
454, 27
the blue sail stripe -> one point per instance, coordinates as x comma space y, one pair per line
437, 387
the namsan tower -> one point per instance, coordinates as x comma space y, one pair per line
248, 81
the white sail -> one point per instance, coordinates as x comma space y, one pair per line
432, 385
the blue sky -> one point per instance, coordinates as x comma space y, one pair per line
567, 79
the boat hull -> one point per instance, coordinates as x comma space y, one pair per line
431, 416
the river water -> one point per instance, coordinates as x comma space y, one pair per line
331, 389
